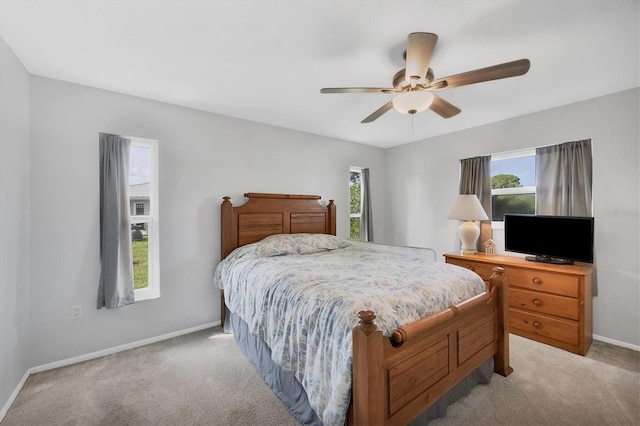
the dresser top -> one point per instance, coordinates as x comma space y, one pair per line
578, 268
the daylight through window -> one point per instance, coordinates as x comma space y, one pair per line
513, 184
355, 202
143, 207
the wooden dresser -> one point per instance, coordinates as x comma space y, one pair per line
548, 303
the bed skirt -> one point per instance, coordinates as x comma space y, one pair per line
292, 394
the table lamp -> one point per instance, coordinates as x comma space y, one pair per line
468, 208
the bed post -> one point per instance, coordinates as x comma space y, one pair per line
229, 239
501, 358
368, 378
331, 221
229, 242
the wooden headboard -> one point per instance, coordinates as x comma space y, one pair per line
268, 214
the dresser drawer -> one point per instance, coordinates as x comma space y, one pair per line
483, 269
550, 282
562, 330
562, 306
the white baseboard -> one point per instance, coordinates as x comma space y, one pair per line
616, 342
116, 349
14, 395
97, 354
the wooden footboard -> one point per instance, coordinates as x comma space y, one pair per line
396, 379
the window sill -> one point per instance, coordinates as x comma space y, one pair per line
146, 294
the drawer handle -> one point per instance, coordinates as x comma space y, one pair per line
537, 302
537, 280
537, 324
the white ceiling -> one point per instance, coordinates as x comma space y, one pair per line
266, 61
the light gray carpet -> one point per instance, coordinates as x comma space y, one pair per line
203, 379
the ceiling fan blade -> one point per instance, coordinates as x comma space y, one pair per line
443, 108
420, 48
495, 72
376, 114
357, 90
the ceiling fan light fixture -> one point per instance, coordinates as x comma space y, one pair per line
413, 102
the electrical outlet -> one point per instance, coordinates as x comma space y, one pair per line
76, 311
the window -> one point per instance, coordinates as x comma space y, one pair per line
355, 202
513, 184
143, 202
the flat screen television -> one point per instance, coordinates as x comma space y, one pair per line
550, 239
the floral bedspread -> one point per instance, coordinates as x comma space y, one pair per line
301, 293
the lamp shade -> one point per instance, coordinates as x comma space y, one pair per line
413, 102
467, 207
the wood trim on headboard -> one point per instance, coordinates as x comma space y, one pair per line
281, 196
267, 214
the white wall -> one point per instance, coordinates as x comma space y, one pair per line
14, 223
203, 157
423, 183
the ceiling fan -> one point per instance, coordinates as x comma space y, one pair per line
414, 86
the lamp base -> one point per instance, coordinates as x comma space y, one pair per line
469, 233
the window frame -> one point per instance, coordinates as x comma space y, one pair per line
152, 291
510, 155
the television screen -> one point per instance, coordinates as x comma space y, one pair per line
552, 239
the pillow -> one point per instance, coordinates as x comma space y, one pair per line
279, 244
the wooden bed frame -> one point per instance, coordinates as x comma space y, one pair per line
394, 379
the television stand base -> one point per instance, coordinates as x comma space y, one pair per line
546, 259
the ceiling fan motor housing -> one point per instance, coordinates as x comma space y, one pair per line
400, 83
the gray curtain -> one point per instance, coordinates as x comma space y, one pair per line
366, 221
564, 182
563, 179
475, 178
116, 274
